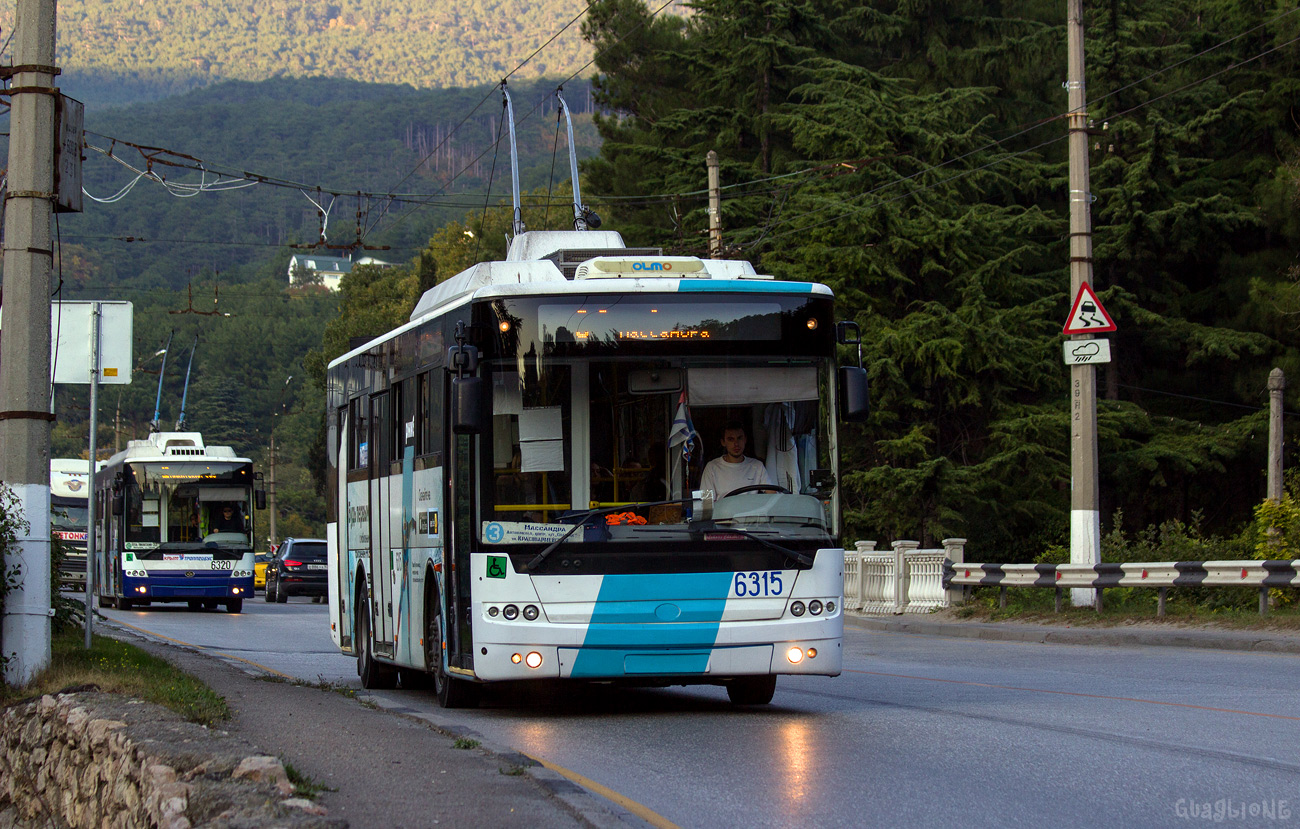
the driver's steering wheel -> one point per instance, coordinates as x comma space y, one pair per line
758, 488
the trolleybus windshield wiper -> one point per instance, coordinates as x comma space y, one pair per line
802, 558
580, 519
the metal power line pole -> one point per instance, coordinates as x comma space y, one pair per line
715, 207
1085, 516
25, 368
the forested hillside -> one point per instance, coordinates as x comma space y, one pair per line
118, 51
180, 257
338, 135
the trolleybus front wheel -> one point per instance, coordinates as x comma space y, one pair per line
234, 605
452, 693
373, 675
751, 690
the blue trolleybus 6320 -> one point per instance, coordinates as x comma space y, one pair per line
515, 476
174, 523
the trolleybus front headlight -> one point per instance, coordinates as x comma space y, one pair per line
530, 612
493, 611
815, 607
796, 608
511, 612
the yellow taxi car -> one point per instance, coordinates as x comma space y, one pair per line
259, 570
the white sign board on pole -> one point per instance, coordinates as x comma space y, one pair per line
71, 330
1086, 352
71, 355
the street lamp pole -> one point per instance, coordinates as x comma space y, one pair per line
270, 484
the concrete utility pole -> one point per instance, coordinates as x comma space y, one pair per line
715, 207
1085, 516
1276, 384
25, 370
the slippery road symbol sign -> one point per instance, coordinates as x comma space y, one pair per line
1087, 316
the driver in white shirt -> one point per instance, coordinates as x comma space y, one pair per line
733, 470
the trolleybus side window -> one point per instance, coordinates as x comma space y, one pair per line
359, 436
531, 447
427, 424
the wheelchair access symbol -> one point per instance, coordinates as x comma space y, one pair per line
496, 567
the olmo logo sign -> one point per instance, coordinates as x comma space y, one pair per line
652, 266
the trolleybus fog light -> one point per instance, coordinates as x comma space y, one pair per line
142, 590
795, 655
815, 607
516, 658
236, 590
511, 612
492, 611
533, 660
796, 608
530, 613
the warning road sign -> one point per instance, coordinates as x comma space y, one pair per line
1087, 316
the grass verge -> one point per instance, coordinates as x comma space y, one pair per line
119, 668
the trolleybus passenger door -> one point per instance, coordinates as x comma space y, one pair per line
380, 554
456, 579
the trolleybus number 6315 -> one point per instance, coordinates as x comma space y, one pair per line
758, 584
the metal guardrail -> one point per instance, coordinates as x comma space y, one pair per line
1159, 575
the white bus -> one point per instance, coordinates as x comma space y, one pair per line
174, 523
69, 508
511, 495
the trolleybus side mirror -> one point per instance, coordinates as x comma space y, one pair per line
259, 494
466, 390
855, 397
119, 502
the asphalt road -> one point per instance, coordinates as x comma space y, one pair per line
918, 731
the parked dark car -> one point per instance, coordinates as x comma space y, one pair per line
297, 569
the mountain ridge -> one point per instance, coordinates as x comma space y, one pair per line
118, 51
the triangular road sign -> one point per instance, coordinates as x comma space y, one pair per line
1087, 316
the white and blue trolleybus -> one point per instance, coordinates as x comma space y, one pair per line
174, 523
515, 476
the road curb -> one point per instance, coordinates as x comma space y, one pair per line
1256, 642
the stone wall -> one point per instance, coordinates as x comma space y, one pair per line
91, 759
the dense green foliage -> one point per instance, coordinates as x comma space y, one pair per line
118, 51
912, 156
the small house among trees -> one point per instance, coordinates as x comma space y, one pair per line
328, 271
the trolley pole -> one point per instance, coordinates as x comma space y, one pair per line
1085, 516
715, 207
25, 369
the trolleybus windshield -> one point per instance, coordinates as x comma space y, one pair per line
611, 422
187, 505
